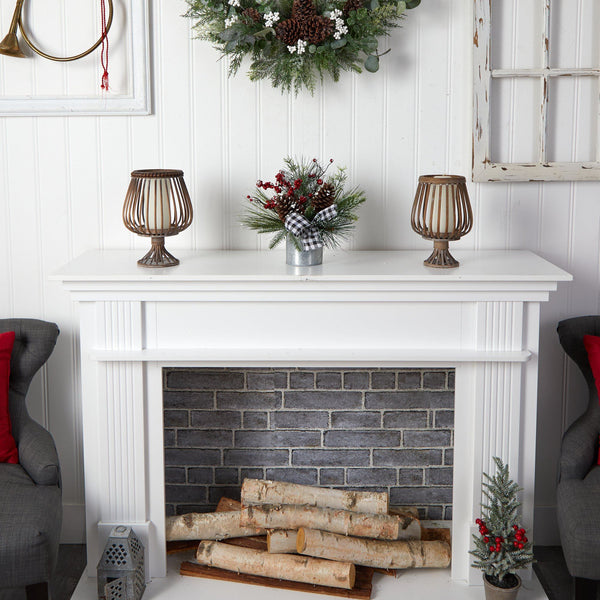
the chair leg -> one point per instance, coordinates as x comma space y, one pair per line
37, 591
585, 589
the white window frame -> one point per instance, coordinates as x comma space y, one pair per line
541, 170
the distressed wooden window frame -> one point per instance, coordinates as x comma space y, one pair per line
138, 102
541, 170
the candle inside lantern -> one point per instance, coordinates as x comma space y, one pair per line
158, 212
440, 210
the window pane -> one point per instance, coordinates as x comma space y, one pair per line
516, 34
572, 119
514, 107
574, 40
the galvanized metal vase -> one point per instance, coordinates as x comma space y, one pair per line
301, 258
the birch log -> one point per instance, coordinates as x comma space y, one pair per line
281, 541
208, 526
279, 566
373, 553
263, 491
346, 522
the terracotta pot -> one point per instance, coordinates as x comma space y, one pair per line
497, 593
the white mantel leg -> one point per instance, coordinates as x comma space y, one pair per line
495, 415
114, 427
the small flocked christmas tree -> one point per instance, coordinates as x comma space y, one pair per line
502, 547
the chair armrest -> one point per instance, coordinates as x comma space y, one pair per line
37, 454
579, 448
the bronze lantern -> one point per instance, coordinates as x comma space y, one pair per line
157, 204
441, 212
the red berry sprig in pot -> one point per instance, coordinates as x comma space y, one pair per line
502, 547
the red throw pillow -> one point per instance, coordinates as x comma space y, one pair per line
592, 345
8, 448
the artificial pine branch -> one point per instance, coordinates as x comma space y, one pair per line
299, 183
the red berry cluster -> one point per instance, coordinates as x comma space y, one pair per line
298, 191
520, 537
495, 545
285, 188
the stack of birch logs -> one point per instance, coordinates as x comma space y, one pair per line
314, 535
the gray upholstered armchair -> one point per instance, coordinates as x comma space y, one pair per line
578, 499
30, 492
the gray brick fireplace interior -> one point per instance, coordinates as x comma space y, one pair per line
384, 429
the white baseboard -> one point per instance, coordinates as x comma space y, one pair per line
73, 525
546, 526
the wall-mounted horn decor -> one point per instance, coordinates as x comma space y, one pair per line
10, 44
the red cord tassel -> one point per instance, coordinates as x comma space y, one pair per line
104, 48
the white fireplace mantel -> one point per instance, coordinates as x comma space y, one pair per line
249, 308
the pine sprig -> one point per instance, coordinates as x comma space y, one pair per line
502, 547
298, 184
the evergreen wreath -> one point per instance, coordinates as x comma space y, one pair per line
304, 190
502, 546
291, 42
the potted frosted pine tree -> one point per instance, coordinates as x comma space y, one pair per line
502, 547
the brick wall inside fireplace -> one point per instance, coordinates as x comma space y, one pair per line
384, 429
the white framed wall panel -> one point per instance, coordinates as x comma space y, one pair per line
37, 86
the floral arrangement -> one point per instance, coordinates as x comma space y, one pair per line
502, 546
290, 42
306, 203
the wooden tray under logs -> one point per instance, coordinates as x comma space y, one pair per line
362, 586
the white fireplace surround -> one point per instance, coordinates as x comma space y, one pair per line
219, 309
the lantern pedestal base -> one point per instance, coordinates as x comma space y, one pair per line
440, 257
158, 255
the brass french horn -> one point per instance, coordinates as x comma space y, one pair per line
9, 46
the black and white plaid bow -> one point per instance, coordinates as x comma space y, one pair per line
305, 230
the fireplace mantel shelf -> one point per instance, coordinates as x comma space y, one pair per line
119, 267
330, 357
247, 308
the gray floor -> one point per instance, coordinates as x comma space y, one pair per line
550, 569
70, 565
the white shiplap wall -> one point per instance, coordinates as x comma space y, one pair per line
64, 178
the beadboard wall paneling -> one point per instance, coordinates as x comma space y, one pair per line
64, 180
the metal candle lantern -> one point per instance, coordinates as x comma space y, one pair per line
441, 212
121, 567
157, 204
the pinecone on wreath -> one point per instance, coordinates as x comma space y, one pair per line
324, 198
304, 24
288, 32
351, 5
302, 9
316, 29
251, 14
